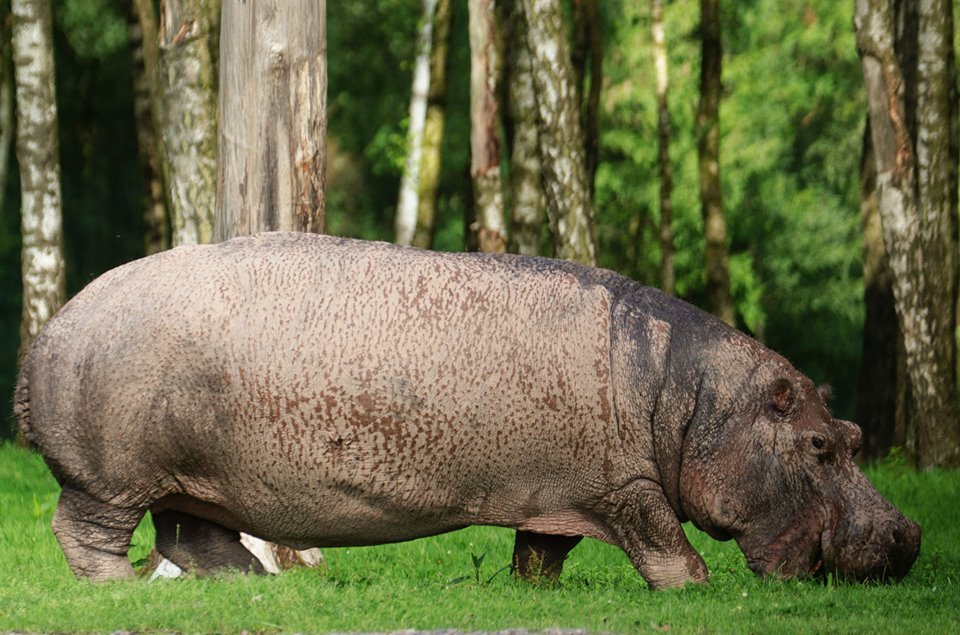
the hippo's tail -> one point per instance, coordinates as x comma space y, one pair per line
21, 403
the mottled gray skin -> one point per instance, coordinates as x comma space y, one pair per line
316, 391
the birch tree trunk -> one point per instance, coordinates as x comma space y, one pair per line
719, 298
916, 189
568, 202
406, 219
38, 154
485, 127
189, 104
273, 121
142, 33
526, 192
667, 275
433, 128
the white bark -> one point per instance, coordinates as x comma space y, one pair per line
276, 558
919, 230
38, 155
433, 128
526, 193
569, 206
406, 221
190, 117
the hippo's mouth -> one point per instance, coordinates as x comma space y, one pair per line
786, 557
783, 568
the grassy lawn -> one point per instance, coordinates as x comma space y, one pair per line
431, 583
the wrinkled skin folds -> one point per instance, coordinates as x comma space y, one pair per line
316, 391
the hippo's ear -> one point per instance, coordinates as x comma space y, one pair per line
783, 397
826, 393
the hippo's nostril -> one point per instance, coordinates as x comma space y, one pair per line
907, 549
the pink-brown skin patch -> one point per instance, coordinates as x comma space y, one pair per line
315, 391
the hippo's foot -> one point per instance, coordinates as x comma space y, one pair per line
200, 546
95, 536
649, 531
540, 556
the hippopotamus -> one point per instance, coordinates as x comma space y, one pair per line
317, 391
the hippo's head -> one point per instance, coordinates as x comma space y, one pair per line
775, 472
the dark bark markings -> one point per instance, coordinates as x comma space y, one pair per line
708, 147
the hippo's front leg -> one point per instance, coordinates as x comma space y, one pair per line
648, 530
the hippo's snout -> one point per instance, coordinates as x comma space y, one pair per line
885, 551
906, 549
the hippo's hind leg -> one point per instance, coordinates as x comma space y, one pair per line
95, 536
541, 556
201, 546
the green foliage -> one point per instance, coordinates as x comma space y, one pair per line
409, 585
791, 126
367, 101
95, 29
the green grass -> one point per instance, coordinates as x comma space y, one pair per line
414, 585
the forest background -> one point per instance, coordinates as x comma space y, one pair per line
792, 120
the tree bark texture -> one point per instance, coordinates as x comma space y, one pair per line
38, 154
189, 96
568, 202
273, 91
485, 70
938, 141
667, 275
719, 298
406, 218
878, 390
142, 32
588, 43
526, 193
918, 210
433, 128
147, 17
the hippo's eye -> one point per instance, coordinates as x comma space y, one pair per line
818, 442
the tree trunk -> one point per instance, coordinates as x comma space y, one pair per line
485, 127
916, 189
406, 219
189, 96
526, 193
588, 44
667, 275
719, 297
938, 144
433, 128
569, 205
877, 387
273, 83
142, 32
38, 153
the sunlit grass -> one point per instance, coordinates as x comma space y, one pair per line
430, 584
